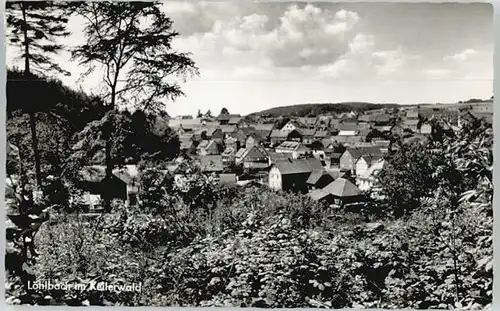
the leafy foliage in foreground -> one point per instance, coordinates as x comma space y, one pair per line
194, 243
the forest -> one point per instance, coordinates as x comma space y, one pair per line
426, 242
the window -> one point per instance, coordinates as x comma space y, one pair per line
132, 199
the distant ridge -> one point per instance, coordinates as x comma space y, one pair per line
304, 110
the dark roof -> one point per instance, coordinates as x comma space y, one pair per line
357, 152
342, 187
347, 127
255, 153
316, 176
298, 166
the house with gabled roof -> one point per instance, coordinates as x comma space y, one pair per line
341, 193
208, 147
292, 174
425, 128
256, 157
278, 136
382, 120
320, 179
292, 125
410, 124
367, 169
253, 139
307, 135
223, 119
229, 156
308, 122
321, 134
351, 155
227, 130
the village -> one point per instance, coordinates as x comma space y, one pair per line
333, 158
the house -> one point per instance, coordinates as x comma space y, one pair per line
229, 156
215, 133
382, 119
347, 127
348, 140
384, 129
292, 174
274, 157
319, 179
322, 122
367, 168
227, 130
425, 128
238, 122
297, 149
208, 147
211, 164
187, 125
412, 115
366, 118
321, 134
294, 135
351, 155
410, 124
255, 157
130, 175
347, 133
264, 130
340, 193
292, 125
92, 180
232, 142
308, 122
224, 119
187, 144
307, 135
334, 159
253, 139
277, 137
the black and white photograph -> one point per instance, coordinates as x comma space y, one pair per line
260, 154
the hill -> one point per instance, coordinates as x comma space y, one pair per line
313, 109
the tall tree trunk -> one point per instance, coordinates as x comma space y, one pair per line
32, 116
108, 156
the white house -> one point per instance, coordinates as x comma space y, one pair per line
367, 169
290, 126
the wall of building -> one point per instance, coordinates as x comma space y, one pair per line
275, 179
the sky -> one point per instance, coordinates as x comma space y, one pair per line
257, 55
